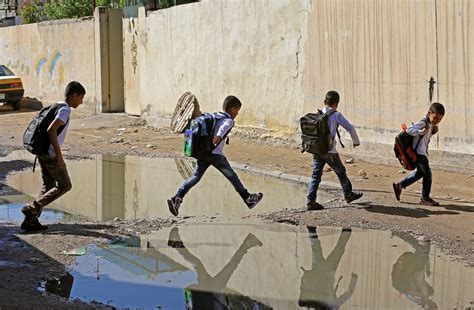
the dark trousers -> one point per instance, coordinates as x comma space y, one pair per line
422, 171
334, 161
221, 164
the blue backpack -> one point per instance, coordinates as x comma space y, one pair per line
198, 138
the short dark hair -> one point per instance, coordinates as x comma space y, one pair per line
74, 88
437, 108
332, 97
231, 102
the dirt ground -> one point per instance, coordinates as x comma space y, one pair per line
27, 259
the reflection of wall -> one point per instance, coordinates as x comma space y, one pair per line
214, 194
273, 272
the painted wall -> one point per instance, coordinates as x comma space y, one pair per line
280, 57
50, 54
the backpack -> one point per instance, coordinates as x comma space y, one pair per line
198, 138
315, 134
35, 138
404, 150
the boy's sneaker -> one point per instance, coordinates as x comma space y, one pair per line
253, 199
397, 189
427, 201
313, 205
32, 224
353, 196
28, 212
173, 204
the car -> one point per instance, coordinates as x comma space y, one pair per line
11, 87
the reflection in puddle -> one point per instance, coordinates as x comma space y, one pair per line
135, 187
230, 266
11, 202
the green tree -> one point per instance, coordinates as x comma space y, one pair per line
32, 12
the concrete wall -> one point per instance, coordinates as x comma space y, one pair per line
280, 57
46, 56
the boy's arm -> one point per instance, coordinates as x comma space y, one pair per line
341, 120
224, 128
52, 134
418, 129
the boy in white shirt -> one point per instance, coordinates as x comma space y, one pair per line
54, 173
335, 118
224, 124
422, 132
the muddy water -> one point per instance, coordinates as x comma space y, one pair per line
269, 266
134, 187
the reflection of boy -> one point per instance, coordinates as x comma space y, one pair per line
408, 274
317, 284
211, 292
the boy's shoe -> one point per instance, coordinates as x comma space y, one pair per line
27, 212
397, 189
353, 196
173, 204
253, 199
313, 205
32, 224
427, 201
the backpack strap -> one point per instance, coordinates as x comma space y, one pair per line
225, 135
426, 121
332, 111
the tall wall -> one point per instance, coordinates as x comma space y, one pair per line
280, 57
50, 54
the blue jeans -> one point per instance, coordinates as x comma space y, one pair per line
334, 161
422, 171
221, 164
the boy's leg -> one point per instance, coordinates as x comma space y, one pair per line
48, 180
317, 165
412, 177
334, 161
52, 174
221, 164
201, 167
424, 166
61, 176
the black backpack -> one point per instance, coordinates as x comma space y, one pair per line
35, 138
198, 138
315, 134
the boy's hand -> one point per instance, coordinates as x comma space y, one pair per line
216, 140
435, 129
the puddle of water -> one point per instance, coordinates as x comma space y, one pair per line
11, 202
270, 266
134, 187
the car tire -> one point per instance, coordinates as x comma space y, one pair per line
16, 105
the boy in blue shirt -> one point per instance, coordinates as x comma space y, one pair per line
224, 124
422, 132
331, 102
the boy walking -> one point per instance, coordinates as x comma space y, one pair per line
422, 132
335, 118
55, 177
224, 124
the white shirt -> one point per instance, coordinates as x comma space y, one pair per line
336, 119
416, 130
63, 114
224, 124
